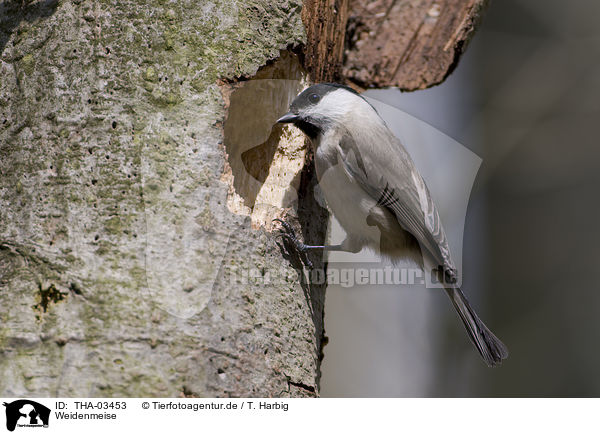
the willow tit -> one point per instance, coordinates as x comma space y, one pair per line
372, 187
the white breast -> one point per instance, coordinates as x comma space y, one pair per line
348, 202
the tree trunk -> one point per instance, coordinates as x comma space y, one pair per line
139, 173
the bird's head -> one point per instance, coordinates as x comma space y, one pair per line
323, 106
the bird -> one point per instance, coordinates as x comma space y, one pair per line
376, 193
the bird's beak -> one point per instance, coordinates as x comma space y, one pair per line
288, 118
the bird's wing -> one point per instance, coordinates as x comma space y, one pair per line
391, 178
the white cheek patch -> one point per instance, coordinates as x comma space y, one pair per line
341, 104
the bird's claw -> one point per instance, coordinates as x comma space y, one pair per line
290, 235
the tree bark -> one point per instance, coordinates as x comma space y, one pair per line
410, 44
139, 173
123, 273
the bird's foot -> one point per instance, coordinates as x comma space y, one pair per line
288, 234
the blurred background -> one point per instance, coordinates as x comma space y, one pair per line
526, 99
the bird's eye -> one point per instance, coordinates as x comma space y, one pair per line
314, 98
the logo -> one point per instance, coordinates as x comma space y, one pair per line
26, 413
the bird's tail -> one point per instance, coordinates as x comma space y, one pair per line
492, 350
